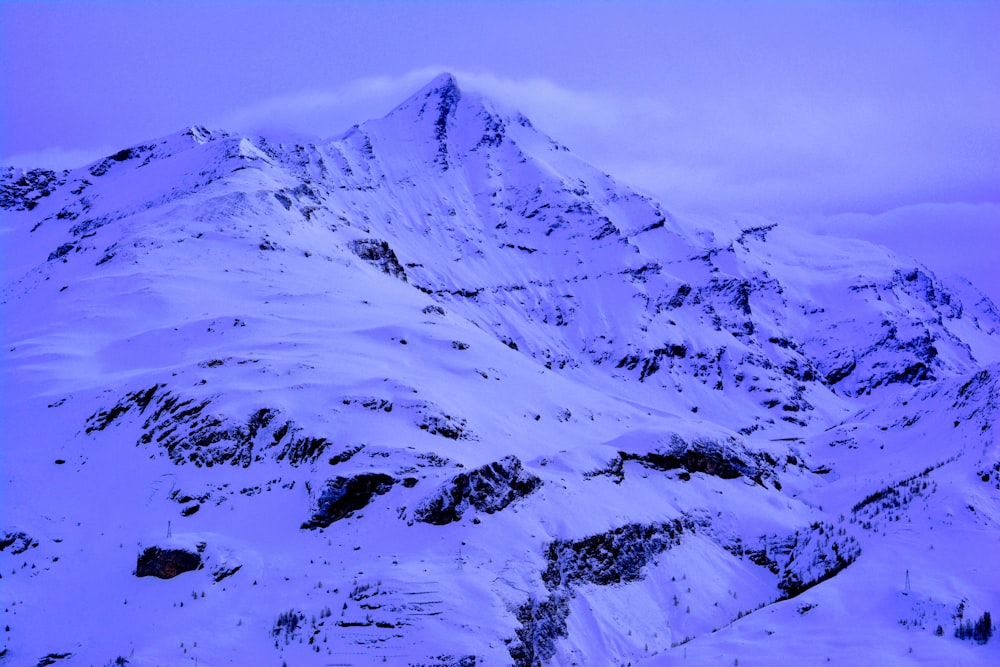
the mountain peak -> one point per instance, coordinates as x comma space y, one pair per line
444, 114
440, 97
443, 81
448, 122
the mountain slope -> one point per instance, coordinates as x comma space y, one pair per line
437, 392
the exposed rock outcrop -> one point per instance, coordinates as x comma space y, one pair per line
167, 563
342, 496
379, 254
488, 489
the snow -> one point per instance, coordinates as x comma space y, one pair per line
543, 311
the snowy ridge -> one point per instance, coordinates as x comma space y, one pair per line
437, 392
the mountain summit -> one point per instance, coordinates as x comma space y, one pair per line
438, 392
458, 122
439, 98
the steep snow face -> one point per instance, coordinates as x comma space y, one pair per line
437, 392
577, 237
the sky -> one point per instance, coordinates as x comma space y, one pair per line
815, 112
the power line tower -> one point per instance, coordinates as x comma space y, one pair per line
906, 586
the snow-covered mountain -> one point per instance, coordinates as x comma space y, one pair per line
436, 392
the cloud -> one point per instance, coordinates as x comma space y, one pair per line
593, 123
328, 111
57, 158
769, 150
951, 239
718, 145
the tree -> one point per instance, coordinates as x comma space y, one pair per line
983, 629
980, 631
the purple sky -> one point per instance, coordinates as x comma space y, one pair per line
783, 109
